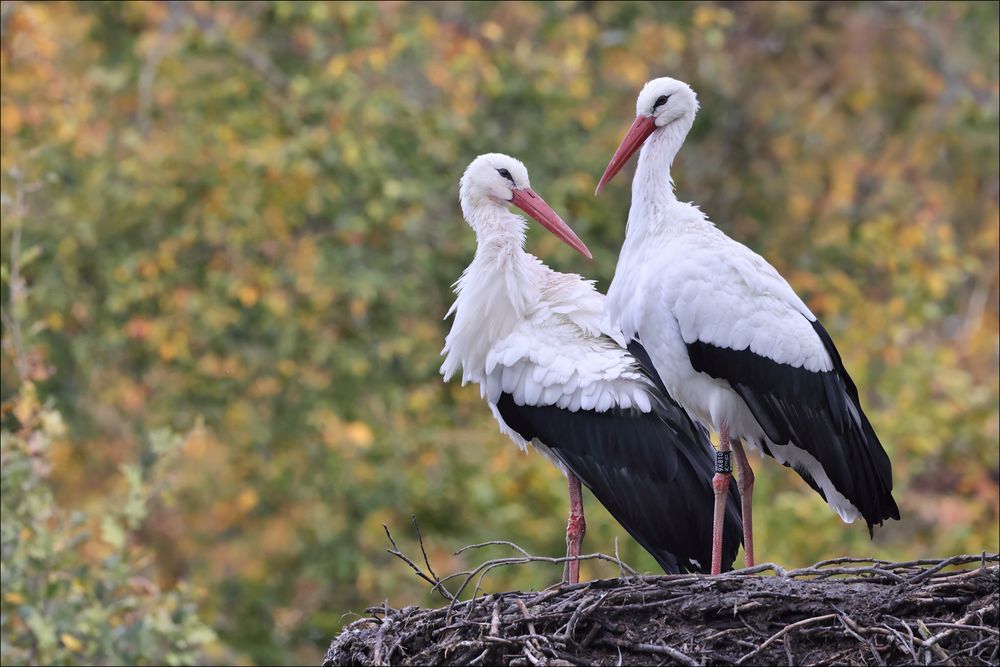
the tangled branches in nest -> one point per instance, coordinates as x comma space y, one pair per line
846, 610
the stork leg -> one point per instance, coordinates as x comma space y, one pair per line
576, 528
720, 485
744, 481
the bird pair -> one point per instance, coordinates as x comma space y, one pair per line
697, 332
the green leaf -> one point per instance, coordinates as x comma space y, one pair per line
112, 532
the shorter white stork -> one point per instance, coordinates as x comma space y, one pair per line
557, 376
731, 339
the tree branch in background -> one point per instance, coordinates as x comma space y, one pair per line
254, 58
150, 65
18, 290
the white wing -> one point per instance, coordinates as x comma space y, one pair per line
551, 363
565, 354
724, 294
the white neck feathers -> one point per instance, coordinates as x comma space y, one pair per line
655, 209
652, 180
654, 219
496, 290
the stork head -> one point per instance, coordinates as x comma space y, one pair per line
663, 103
495, 179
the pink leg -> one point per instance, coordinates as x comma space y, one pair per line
720, 485
744, 481
576, 528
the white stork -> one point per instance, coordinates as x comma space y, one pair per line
557, 376
731, 340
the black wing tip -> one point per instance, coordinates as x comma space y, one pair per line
662, 463
667, 560
890, 511
818, 412
672, 562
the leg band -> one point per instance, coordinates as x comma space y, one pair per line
723, 462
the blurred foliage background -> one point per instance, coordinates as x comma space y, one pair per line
229, 235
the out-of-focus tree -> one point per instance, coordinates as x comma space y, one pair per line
249, 228
76, 586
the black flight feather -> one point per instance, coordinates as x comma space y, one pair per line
652, 471
818, 412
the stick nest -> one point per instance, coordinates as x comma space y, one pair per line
846, 610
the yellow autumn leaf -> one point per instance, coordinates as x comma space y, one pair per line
246, 500
359, 433
10, 119
26, 404
168, 350
71, 642
377, 59
492, 31
248, 295
358, 307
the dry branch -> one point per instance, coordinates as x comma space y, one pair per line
857, 611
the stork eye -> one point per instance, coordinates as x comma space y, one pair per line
506, 174
660, 101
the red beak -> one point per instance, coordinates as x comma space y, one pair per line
529, 202
636, 135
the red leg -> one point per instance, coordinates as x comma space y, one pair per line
720, 485
744, 481
576, 528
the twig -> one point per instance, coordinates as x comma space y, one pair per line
788, 650
482, 570
420, 539
495, 620
380, 640
481, 657
659, 649
527, 615
961, 626
491, 543
961, 623
621, 566
581, 613
435, 583
784, 631
855, 631
938, 652
940, 566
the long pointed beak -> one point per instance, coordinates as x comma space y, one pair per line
636, 135
529, 202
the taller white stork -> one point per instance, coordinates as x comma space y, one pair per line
557, 376
731, 340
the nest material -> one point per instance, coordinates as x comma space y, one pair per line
840, 611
